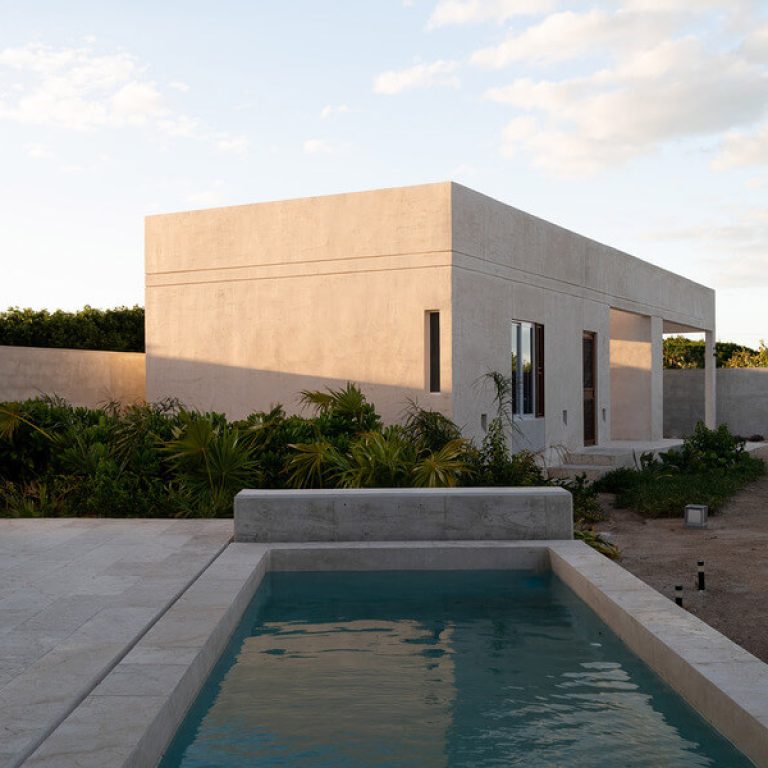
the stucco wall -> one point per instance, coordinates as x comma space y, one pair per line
509, 265
83, 377
742, 400
248, 306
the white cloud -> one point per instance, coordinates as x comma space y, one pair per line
237, 145
74, 88
567, 35
77, 89
330, 109
180, 127
317, 147
652, 93
738, 249
135, 103
454, 12
741, 149
418, 76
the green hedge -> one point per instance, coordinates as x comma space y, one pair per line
116, 330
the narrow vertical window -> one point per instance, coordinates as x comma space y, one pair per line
539, 358
434, 351
526, 366
514, 381
527, 369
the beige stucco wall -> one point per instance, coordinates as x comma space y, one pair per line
247, 306
636, 370
82, 377
509, 265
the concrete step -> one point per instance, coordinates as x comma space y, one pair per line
607, 459
572, 471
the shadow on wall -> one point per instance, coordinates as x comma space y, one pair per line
238, 391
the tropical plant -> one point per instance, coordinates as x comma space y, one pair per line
211, 463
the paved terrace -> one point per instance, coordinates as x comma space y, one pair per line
75, 596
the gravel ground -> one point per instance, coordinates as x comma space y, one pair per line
734, 548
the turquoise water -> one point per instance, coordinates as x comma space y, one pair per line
473, 669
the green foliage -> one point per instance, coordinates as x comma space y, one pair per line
586, 506
749, 358
588, 536
119, 330
708, 469
680, 352
617, 480
211, 463
164, 460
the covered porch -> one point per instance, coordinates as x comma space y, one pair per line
636, 371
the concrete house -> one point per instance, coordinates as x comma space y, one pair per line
415, 292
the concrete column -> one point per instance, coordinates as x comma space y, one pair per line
657, 378
710, 380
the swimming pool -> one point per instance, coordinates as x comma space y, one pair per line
435, 668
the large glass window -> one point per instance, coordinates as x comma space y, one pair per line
527, 374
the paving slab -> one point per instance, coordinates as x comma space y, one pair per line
75, 596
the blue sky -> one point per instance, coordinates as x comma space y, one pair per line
640, 123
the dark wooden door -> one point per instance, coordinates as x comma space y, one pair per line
590, 387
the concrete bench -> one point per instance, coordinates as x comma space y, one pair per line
404, 514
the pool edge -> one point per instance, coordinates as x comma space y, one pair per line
136, 710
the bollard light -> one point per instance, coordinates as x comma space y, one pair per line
695, 516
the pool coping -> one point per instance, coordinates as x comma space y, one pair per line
130, 717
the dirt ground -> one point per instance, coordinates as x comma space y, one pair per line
734, 548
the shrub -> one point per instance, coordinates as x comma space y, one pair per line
118, 330
708, 468
618, 480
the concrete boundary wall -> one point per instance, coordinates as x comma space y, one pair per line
404, 514
130, 718
742, 400
81, 376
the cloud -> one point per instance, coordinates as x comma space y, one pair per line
567, 35
180, 127
741, 149
440, 73
456, 12
74, 88
650, 94
77, 89
237, 145
317, 147
739, 249
330, 109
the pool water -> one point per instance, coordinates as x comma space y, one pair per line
468, 668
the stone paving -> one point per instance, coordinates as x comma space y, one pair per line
75, 596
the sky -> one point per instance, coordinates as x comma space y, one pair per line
640, 123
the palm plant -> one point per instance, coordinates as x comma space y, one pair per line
211, 463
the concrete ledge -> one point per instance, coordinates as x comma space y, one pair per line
727, 685
404, 514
